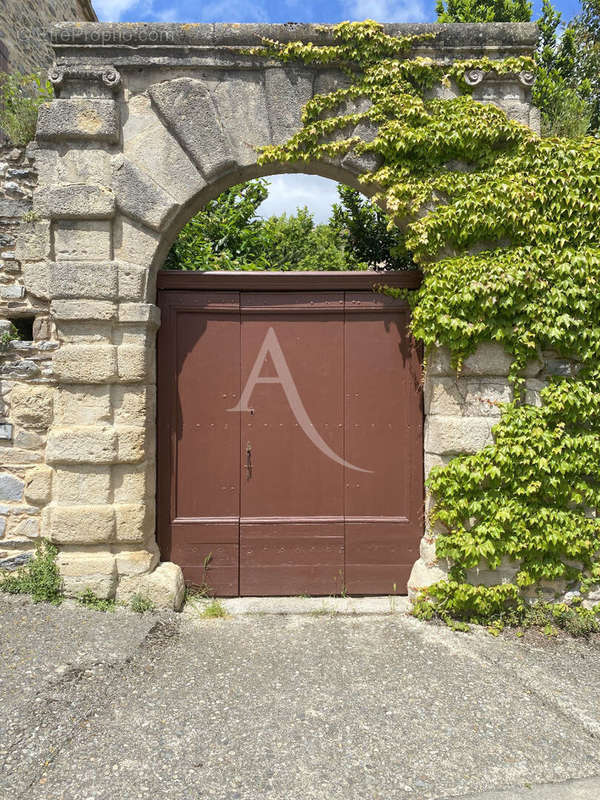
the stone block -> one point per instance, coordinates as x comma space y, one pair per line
134, 523
423, 575
288, 90
533, 388
135, 244
449, 435
83, 279
136, 364
68, 163
242, 111
147, 313
82, 405
140, 334
85, 363
35, 278
41, 329
31, 406
133, 405
13, 206
136, 562
482, 575
473, 397
79, 118
164, 586
17, 457
38, 485
81, 524
33, 241
26, 369
81, 570
82, 485
83, 240
29, 528
131, 447
190, 114
83, 309
490, 359
148, 144
85, 444
30, 440
133, 281
12, 291
133, 483
84, 331
75, 201
11, 487
427, 550
139, 197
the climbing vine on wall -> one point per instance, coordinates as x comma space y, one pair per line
505, 228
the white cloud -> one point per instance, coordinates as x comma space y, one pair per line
387, 10
288, 192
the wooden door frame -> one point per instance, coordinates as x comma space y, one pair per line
236, 282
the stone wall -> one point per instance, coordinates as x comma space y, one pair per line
148, 124
460, 412
26, 374
25, 30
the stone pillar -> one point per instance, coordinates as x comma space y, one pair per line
460, 412
102, 439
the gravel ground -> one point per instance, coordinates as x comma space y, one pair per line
303, 707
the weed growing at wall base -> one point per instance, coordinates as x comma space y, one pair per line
505, 228
40, 578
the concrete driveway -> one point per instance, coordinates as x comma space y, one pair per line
377, 707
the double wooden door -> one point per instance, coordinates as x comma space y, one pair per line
290, 441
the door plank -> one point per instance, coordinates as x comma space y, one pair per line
383, 431
296, 419
200, 363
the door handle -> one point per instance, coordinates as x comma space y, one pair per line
248, 460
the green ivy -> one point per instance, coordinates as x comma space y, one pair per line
505, 228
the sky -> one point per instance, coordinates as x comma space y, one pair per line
287, 192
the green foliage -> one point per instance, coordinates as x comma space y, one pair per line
214, 609
505, 227
483, 10
368, 233
90, 600
561, 92
587, 67
7, 337
227, 235
39, 578
460, 605
20, 99
140, 603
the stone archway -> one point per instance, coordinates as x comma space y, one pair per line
149, 122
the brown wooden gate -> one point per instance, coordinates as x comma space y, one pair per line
289, 433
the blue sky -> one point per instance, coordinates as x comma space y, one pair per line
287, 192
279, 10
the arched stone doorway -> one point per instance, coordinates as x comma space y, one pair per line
149, 122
